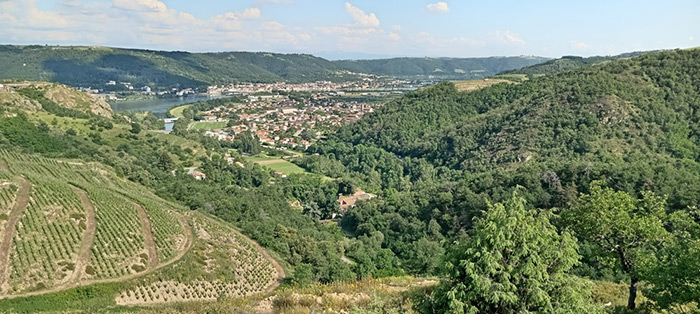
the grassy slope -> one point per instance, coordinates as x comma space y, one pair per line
203, 125
177, 111
275, 164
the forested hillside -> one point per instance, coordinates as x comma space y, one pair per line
439, 158
94, 66
442, 68
609, 115
566, 63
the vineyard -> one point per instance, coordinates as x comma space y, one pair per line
80, 224
65, 224
224, 264
47, 236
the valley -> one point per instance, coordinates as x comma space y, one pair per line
274, 200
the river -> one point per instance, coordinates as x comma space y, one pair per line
159, 106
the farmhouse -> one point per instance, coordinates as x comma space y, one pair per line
349, 201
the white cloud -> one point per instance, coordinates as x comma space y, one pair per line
26, 14
272, 26
228, 21
251, 13
508, 37
394, 36
361, 18
440, 7
581, 45
397, 27
141, 5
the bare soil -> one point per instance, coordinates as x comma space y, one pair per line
88, 236
6, 239
148, 236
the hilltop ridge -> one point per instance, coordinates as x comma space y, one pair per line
50, 96
93, 66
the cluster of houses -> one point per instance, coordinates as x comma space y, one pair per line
279, 123
366, 83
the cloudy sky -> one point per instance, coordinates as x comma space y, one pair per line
359, 28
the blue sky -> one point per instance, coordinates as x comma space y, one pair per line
359, 28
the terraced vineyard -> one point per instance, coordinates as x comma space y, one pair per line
47, 237
65, 224
224, 264
77, 226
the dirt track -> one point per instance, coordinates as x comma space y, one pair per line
18, 207
148, 236
88, 236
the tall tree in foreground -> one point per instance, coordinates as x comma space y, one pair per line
674, 277
629, 229
513, 261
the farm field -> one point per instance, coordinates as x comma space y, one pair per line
201, 125
177, 111
70, 224
281, 165
275, 164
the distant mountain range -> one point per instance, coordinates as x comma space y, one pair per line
91, 66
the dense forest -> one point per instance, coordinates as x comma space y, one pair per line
439, 158
94, 66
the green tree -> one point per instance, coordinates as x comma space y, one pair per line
165, 162
674, 277
303, 274
625, 227
180, 126
135, 128
428, 255
513, 261
246, 143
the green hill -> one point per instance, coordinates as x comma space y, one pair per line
436, 155
55, 98
95, 66
566, 63
69, 224
72, 161
440, 68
